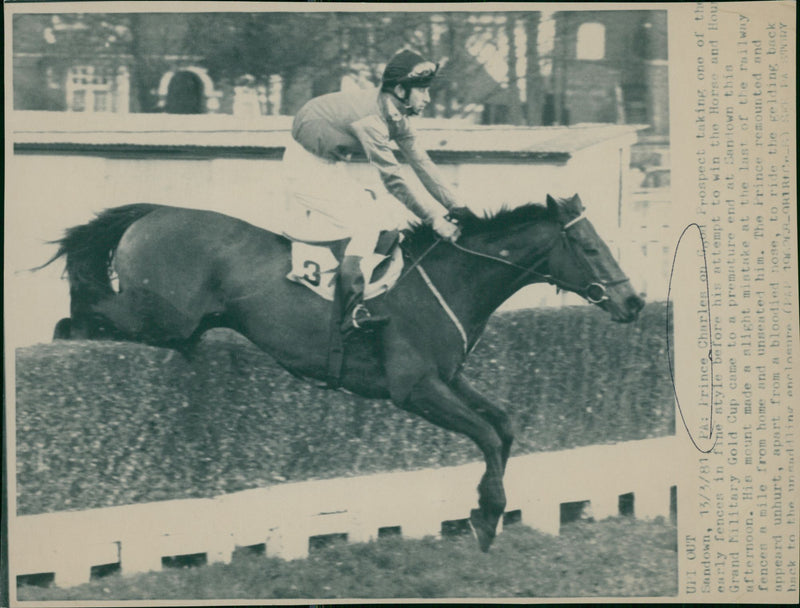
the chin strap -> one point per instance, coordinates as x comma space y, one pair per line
404, 100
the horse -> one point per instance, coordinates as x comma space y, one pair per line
180, 272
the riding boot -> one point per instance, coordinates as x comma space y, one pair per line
351, 283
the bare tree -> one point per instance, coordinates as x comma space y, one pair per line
534, 85
515, 112
311, 52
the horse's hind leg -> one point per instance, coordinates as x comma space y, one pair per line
145, 317
435, 401
148, 317
86, 327
188, 347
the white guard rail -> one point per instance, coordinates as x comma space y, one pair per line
283, 518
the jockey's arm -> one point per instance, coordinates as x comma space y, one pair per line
371, 134
426, 171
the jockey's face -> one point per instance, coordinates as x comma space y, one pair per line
418, 99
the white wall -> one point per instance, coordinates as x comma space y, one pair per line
49, 193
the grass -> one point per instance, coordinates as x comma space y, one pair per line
613, 558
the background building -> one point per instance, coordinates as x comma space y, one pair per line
499, 68
610, 66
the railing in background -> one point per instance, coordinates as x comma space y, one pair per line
630, 478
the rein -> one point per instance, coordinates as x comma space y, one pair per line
415, 263
594, 292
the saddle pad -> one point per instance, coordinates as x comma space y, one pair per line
315, 267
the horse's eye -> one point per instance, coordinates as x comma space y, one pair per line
590, 251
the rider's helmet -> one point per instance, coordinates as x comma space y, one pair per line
408, 69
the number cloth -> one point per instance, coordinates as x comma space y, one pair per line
315, 267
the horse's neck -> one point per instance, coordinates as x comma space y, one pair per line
473, 287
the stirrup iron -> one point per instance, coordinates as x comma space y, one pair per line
362, 318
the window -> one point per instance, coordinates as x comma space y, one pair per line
101, 101
591, 43
640, 44
78, 101
51, 78
94, 89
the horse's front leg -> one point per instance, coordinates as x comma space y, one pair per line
435, 401
496, 416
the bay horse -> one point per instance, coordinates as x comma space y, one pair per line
182, 271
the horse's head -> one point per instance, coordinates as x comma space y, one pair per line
536, 243
581, 262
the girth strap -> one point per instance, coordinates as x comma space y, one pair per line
335, 341
445, 306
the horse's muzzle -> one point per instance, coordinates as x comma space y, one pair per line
633, 306
628, 311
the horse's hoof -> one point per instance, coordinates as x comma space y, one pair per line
484, 531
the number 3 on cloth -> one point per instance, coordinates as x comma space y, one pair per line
313, 277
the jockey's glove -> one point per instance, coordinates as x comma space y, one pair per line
461, 215
446, 229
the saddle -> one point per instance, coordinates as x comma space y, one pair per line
315, 264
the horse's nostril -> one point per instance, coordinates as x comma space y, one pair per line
634, 303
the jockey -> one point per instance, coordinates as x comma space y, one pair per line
327, 131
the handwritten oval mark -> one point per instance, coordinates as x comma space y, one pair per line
708, 340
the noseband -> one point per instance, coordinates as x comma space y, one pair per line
594, 292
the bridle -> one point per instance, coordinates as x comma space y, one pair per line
594, 292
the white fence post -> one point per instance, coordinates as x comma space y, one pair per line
604, 505
139, 554
285, 517
72, 567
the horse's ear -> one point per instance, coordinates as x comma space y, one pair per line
576, 204
564, 209
552, 206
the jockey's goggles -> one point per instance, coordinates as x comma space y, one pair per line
421, 75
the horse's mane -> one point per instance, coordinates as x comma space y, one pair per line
420, 234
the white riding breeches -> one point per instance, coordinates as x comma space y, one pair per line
324, 203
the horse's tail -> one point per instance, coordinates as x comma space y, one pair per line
89, 249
